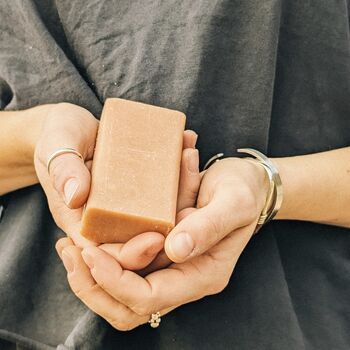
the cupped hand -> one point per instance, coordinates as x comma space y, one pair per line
206, 245
232, 195
68, 184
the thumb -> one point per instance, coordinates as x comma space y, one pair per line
204, 227
189, 179
66, 126
138, 252
71, 179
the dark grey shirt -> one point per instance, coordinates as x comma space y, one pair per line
272, 75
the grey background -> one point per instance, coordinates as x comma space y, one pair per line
272, 75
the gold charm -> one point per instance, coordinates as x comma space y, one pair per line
155, 319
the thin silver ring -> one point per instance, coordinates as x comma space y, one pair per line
59, 152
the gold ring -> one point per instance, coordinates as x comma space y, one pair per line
154, 320
59, 152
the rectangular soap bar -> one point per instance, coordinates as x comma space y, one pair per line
135, 171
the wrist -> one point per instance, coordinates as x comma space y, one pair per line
18, 137
316, 187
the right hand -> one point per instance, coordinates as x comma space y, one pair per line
68, 185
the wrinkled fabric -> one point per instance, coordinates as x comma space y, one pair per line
272, 75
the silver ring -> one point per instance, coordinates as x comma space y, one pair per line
59, 152
154, 320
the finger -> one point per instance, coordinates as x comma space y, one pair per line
88, 164
68, 173
190, 139
138, 252
113, 273
93, 296
176, 285
206, 226
69, 220
162, 260
63, 243
183, 213
189, 179
71, 179
101, 302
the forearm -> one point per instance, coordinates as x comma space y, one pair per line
316, 187
19, 131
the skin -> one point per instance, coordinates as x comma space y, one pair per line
67, 125
17, 148
217, 213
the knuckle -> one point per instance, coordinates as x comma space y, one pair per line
70, 109
123, 326
102, 283
218, 286
79, 293
59, 214
213, 227
84, 294
62, 243
144, 309
61, 171
57, 166
60, 224
61, 167
192, 192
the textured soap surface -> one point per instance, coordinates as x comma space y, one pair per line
135, 171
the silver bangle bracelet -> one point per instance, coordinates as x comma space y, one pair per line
278, 189
275, 194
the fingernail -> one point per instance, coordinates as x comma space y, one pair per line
193, 161
70, 188
89, 260
67, 262
181, 245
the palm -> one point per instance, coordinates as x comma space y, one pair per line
229, 202
69, 218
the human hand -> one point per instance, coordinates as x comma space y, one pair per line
231, 197
67, 187
68, 184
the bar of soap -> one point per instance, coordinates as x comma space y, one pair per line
135, 172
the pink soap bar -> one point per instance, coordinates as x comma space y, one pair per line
135, 172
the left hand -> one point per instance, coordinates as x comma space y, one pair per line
67, 185
205, 245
